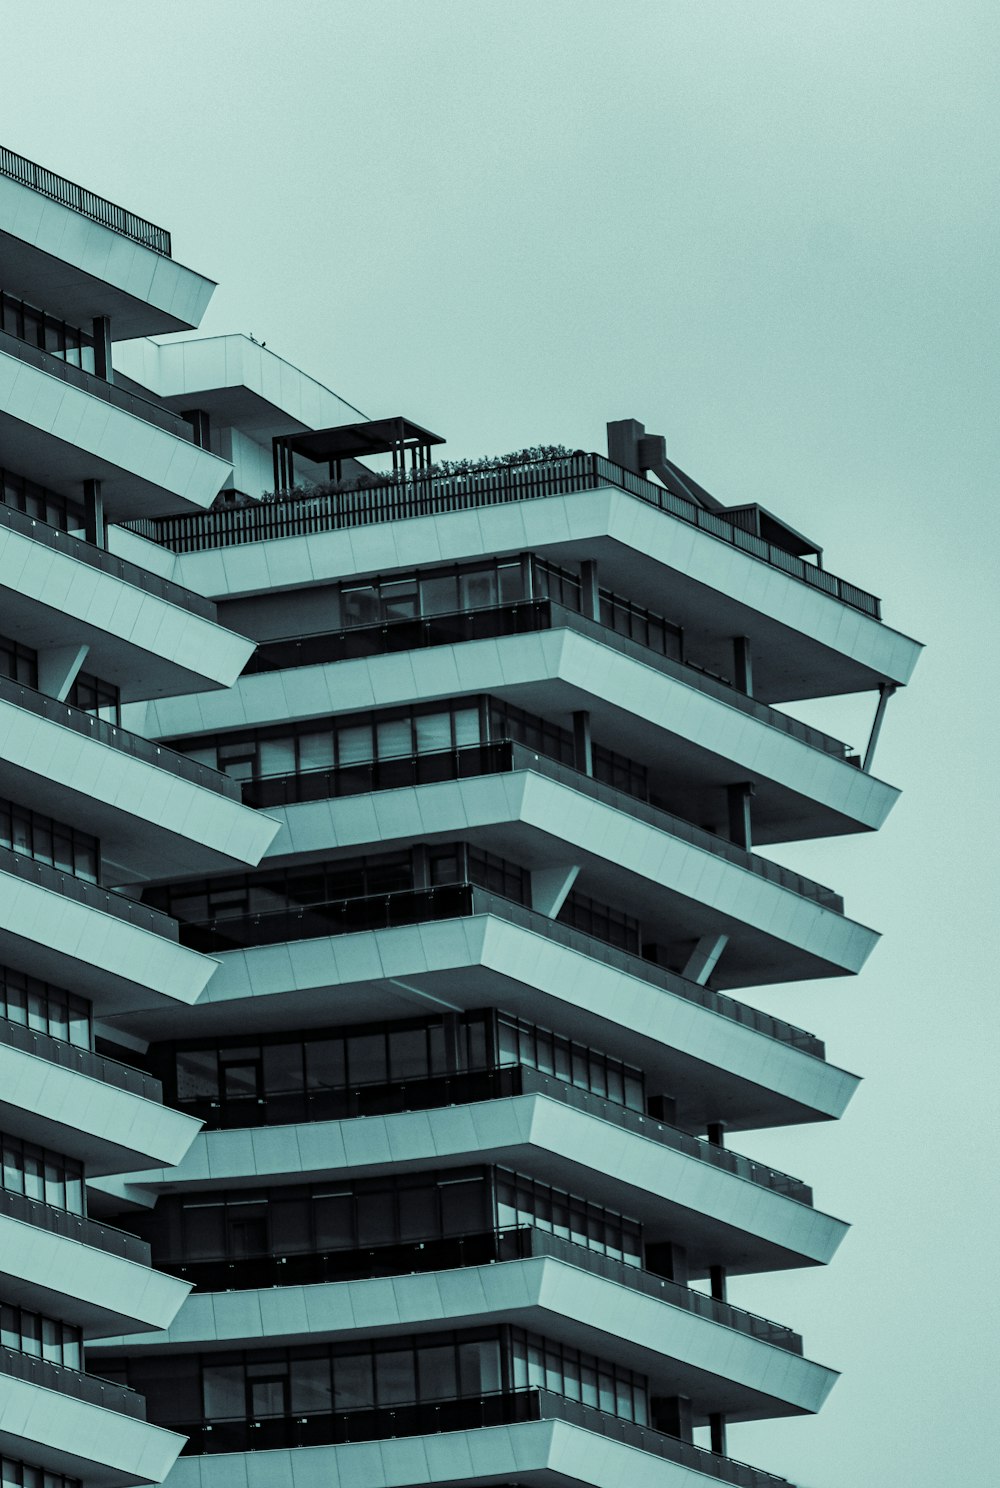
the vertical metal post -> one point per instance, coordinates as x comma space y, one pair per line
743, 664
717, 1428
717, 1281
93, 514
590, 594
102, 348
583, 753
740, 825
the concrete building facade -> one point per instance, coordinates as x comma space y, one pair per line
432, 903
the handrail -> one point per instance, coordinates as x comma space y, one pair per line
75, 1227
92, 895
457, 1252
97, 387
87, 1387
504, 756
419, 496
517, 617
472, 1413
115, 737
416, 906
486, 1083
83, 1061
87, 203
109, 563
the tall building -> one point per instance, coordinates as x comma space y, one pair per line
463, 1208
87, 806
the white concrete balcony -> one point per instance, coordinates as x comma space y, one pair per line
720, 1059
65, 426
812, 634
147, 636
109, 949
153, 810
80, 1425
685, 883
720, 1206
80, 256
691, 728
105, 1114
98, 1278
553, 1443
680, 1351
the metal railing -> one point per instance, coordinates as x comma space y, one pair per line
82, 1061
97, 387
321, 1428
115, 737
97, 208
518, 1243
518, 618
503, 757
417, 906
119, 568
87, 1387
419, 496
74, 1227
468, 1087
92, 895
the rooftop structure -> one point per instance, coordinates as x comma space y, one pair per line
454, 877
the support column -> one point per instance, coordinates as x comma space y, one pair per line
583, 753
668, 1260
743, 665
717, 1282
885, 692
715, 1131
102, 348
57, 669
93, 514
590, 593
704, 958
717, 1428
672, 1414
740, 828
550, 886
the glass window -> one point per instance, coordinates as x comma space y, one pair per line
354, 744
438, 1377
360, 605
353, 1385
395, 737
223, 1392
467, 726
197, 1075
479, 1366
316, 751
366, 1059
478, 589
376, 1218
276, 757
438, 594
325, 1066
311, 1385
283, 1072
433, 732
407, 1053
395, 1377
204, 1231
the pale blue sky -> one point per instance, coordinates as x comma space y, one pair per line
769, 231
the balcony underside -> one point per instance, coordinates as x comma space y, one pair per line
81, 1284
714, 1065
719, 1217
806, 643
680, 1352
679, 891
148, 817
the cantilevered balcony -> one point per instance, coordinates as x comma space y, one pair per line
89, 1275
74, 1423
66, 425
464, 948
111, 950
147, 636
723, 1208
154, 810
85, 1106
813, 634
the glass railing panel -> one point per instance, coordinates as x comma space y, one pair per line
83, 1061
86, 1387
74, 1227
89, 894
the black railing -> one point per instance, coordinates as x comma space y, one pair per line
522, 1242
467, 1087
115, 737
83, 1061
72, 1382
94, 897
97, 208
97, 387
519, 618
74, 1227
420, 496
416, 906
100, 558
505, 756
331, 1428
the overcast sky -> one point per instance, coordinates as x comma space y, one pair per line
769, 231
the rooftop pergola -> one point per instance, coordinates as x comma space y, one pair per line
395, 436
